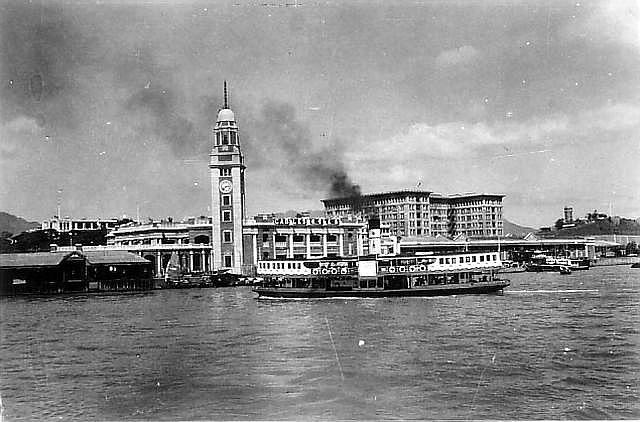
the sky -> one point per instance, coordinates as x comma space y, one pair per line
107, 108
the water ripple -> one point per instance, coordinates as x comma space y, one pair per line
551, 347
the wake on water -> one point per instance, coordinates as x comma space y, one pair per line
507, 291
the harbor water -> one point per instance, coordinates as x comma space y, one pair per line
551, 347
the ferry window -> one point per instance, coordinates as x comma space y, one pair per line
468, 259
473, 259
289, 265
441, 261
495, 257
446, 260
481, 258
453, 260
226, 199
488, 257
299, 265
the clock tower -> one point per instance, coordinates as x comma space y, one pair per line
227, 191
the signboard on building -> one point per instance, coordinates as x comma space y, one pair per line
306, 221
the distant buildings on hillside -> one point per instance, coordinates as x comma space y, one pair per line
68, 224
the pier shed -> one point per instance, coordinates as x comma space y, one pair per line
117, 271
74, 271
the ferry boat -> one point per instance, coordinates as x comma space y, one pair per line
442, 275
540, 263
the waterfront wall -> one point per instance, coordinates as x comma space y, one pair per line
621, 260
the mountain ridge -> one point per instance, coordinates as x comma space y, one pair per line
12, 224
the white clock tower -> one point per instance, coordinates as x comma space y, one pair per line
227, 191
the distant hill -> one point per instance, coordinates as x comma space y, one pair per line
514, 229
15, 225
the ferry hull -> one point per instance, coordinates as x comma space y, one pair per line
436, 290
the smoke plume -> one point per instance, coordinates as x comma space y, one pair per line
315, 163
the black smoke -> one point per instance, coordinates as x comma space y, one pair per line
167, 121
315, 162
100, 77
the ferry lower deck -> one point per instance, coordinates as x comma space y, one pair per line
482, 287
381, 277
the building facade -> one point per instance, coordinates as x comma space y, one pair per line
269, 237
67, 224
227, 192
159, 240
423, 213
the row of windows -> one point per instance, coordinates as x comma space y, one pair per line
300, 238
468, 259
280, 265
226, 138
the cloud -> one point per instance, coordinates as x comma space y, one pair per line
456, 56
608, 22
539, 163
463, 140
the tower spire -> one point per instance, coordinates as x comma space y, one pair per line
225, 94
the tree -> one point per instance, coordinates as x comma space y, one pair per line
632, 247
559, 223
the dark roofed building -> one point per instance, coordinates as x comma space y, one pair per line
74, 271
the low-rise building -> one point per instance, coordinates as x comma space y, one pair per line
267, 236
191, 231
73, 271
68, 224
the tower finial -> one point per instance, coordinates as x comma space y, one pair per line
225, 94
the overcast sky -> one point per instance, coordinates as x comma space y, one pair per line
110, 107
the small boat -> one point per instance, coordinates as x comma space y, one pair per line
374, 277
540, 263
580, 263
565, 270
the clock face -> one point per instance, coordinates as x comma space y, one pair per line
226, 186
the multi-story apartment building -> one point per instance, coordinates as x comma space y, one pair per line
423, 213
